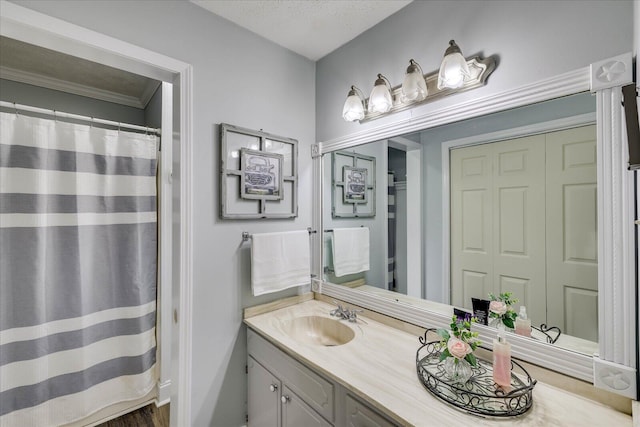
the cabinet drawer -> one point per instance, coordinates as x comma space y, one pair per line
314, 390
360, 415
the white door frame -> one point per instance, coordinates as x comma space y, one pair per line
32, 27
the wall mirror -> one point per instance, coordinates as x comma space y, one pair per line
512, 195
522, 210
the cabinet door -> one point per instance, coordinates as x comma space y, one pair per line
264, 396
360, 415
296, 413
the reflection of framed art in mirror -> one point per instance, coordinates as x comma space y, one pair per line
353, 177
355, 180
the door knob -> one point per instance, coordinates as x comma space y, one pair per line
273, 387
285, 399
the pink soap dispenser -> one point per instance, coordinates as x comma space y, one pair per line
502, 361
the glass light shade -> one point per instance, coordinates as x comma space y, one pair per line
414, 86
454, 68
353, 108
380, 99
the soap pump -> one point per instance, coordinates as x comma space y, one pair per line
523, 323
502, 361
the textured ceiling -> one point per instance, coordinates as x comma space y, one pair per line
312, 28
31, 64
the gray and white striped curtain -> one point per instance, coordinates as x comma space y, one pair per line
391, 227
78, 257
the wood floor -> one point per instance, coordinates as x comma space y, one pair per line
147, 416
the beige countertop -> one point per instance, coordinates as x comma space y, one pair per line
378, 365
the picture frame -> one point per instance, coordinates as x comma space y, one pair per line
355, 184
258, 174
261, 175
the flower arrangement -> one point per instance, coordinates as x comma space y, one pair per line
460, 342
500, 309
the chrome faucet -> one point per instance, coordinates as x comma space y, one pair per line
345, 313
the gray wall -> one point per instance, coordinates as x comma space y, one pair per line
398, 164
532, 39
153, 111
241, 79
35, 96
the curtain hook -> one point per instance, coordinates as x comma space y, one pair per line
55, 116
15, 108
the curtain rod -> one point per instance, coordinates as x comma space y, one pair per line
60, 114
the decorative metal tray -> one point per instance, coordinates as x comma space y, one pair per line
480, 395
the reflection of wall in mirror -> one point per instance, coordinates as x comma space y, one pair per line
377, 227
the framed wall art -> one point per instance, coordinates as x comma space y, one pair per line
353, 189
258, 174
355, 184
261, 175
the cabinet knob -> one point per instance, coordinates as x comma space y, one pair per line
285, 399
273, 387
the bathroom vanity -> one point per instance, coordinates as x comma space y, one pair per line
368, 378
285, 392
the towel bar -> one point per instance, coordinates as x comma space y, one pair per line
246, 235
330, 230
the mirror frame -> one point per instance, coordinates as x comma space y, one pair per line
616, 241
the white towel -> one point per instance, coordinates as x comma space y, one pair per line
350, 250
279, 261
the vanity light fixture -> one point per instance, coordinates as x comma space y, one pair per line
456, 74
453, 69
414, 86
380, 100
354, 105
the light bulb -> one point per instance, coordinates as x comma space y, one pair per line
414, 87
380, 99
454, 68
353, 107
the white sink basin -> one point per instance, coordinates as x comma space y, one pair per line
318, 330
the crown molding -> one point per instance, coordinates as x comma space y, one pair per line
35, 79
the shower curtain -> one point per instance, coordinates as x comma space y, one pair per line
78, 259
391, 231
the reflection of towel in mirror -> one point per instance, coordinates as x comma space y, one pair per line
279, 261
350, 250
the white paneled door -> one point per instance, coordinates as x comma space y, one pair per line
471, 224
497, 222
523, 217
572, 246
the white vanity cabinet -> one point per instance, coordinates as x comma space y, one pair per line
263, 395
284, 392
